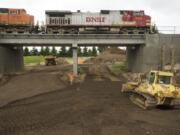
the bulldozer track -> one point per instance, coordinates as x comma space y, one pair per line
143, 100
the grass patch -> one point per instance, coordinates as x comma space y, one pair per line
119, 67
35, 60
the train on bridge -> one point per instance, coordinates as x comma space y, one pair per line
67, 22
15, 21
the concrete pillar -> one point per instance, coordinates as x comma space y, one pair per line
11, 59
135, 58
75, 59
144, 58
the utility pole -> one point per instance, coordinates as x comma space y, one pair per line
162, 57
172, 57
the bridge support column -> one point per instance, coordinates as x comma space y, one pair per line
150, 56
11, 59
75, 59
143, 58
134, 59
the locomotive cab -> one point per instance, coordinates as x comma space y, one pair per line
15, 21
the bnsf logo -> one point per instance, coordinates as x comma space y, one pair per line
95, 19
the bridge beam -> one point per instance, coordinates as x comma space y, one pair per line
11, 59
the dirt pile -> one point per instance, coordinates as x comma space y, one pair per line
61, 61
99, 65
4, 79
109, 56
34, 82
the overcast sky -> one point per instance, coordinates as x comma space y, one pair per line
163, 12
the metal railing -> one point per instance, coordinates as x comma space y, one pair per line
169, 29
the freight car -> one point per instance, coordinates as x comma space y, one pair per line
15, 21
105, 21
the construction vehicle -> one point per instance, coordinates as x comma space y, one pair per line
50, 60
158, 89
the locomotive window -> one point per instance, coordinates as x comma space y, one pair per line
24, 11
66, 21
52, 20
13, 12
121, 12
138, 13
69, 21
3, 10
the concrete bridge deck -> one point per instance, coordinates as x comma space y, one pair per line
68, 40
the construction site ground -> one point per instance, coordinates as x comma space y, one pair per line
90, 108
40, 102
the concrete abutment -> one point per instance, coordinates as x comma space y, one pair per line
11, 59
159, 50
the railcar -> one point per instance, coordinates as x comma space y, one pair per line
15, 21
105, 21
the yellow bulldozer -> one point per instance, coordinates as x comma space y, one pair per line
50, 60
157, 89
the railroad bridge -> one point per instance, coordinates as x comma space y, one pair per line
144, 52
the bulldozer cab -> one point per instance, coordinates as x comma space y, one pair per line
160, 77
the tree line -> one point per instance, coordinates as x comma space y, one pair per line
62, 52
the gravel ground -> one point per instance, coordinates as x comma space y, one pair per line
90, 108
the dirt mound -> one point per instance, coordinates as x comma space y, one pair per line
29, 84
109, 56
99, 65
115, 51
4, 79
61, 61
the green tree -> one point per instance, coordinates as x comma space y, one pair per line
89, 52
62, 52
100, 49
94, 51
47, 51
69, 52
34, 51
26, 51
80, 53
54, 51
42, 51
85, 51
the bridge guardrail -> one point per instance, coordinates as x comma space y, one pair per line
54, 36
169, 29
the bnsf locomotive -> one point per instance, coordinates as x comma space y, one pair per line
105, 21
15, 21
67, 22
